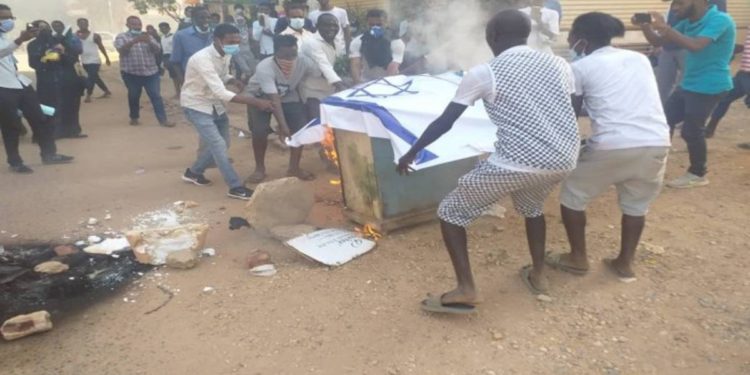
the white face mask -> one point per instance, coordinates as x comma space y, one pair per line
574, 55
297, 23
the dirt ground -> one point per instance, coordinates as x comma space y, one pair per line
688, 313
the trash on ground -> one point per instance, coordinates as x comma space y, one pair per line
258, 258
209, 252
332, 247
153, 246
209, 290
237, 223
93, 221
94, 240
264, 270
51, 267
25, 325
108, 246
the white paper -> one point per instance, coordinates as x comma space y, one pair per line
332, 247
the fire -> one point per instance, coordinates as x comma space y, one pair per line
335, 182
369, 232
329, 146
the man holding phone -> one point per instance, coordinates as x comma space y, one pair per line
16, 94
708, 36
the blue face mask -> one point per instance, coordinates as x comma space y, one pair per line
231, 49
574, 55
7, 26
377, 31
136, 32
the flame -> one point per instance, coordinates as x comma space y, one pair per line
329, 147
369, 232
335, 182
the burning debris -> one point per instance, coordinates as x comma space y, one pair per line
369, 232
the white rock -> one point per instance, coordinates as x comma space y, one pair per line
209, 252
108, 246
93, 221
107, 217
209, 290
80, 243
543, 298
94, 239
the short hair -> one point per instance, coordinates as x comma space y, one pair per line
377, 13
82, 19
4, 7
326, 16
598, 28
132, 18
510, 24
225, 29
294, 5
281, 41
164, 24
200, 8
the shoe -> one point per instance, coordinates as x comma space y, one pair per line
194, 178
88, 99
687, 181
744, 146
21, 169
134, 122
240, 193
57, 159
167, 124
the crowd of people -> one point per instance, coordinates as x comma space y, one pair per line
282, 67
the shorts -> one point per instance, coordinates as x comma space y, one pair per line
484, 186
637, 173
259, 122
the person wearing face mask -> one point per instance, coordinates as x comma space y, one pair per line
53, 57
374, 55
203, 99
17, 94
545, 26
190, 40
296, 16
279, 79
285, 22
139, 71
708, 35
263, 30
244, 62
628, 147
167, 41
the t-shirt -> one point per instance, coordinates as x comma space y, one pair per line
707, 71
268, 79
166, 43
745, 64
537, 39
397, 49
343, 18
527, 96
621, 97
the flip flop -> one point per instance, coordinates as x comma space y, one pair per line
256, 178
434, 304
302, 175
525, 273
554, 260
623, 278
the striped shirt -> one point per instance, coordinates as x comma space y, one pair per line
745, 65
140, 60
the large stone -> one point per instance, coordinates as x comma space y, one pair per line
287, 201
153, 246
184, 259
63, 250
287, 232
25, 325
51, 267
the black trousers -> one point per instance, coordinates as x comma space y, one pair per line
92, 70
27, 101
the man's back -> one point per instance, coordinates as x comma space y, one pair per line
187, 42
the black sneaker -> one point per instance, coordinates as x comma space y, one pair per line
21, 169
57, 159
240, 193
195, 178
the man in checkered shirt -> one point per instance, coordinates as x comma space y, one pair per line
527, 95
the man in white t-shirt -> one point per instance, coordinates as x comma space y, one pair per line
296, 16
545, 26
374, 54
167, 42
344, 37
263, 30
628, 147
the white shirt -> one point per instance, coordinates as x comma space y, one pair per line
343, 18
397, 49
301, 36
537, 39
167, 41
206, 74
90, 54
622, 99
323, 55
266, 41
9, 77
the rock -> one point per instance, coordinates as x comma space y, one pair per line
258, 258
63, 250
108, 246
152, 246
209, 290
288, 232
287, 201
543, 298
93, 221
25, 325
497, 336
51, 267
653, 249
94, 240
210, 252
183, 259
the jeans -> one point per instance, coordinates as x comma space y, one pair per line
692, 109
741, 88
669, 71
152, 84
213, 130
94, 79
26, 100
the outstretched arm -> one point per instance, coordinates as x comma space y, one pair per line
437, 128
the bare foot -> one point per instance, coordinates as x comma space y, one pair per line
301, 174
257, 177
467, 297
621, 269
539, 281
569, 261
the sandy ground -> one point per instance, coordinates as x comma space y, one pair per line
688, 313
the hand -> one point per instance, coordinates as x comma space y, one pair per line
27, 35
59, 48
339, 86
404, 164
109, 63
283, 133
658, 22
264, 105
143, 38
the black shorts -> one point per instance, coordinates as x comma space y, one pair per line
259, 122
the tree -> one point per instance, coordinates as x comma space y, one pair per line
167, 7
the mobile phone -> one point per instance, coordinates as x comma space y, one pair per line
641, 18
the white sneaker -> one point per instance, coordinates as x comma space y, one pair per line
687, 181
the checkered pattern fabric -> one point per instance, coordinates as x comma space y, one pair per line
484, 186
536, 124
140, 60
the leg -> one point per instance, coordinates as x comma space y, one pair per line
208, 127
259, 124
134, 85
632, 228
698, 108
674, 109
575, 227
91, 71
71, 107
8, 116
100, 82
43, 129
723, 107
666, 74
296, 117
455, 240
153, 88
